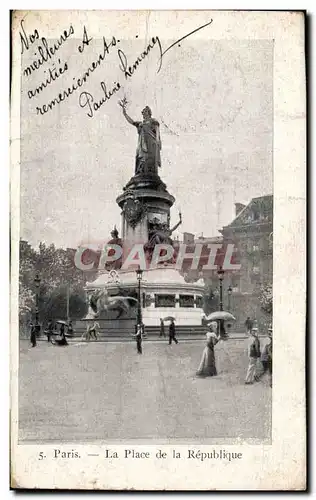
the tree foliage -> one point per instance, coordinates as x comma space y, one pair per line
210, 302
266, 298
58, 274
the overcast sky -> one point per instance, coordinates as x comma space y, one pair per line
214, 104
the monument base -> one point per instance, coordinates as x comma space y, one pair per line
164, 293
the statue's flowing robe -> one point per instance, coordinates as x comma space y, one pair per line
149, 145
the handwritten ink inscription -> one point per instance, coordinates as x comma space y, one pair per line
46, 53
26, 39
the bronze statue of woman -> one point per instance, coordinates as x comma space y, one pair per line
149, 143
162, 234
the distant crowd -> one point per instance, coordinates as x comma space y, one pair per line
55, 332
259, 361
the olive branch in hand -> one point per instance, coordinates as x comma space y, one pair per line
123, 103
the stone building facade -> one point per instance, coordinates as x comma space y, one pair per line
251, 233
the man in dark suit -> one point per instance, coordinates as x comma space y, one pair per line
33, 334
49, 330
172, 332
139, 338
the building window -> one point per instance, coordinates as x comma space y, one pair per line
165, 300
186, 300
199, 301
255, 215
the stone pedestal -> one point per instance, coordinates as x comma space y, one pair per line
145, 201
164, 293
145, 204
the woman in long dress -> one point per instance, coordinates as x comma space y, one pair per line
207, 366
62, 340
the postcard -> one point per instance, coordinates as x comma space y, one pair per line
158, 290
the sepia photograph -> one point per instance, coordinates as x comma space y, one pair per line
145, 232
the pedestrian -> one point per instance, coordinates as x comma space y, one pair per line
253, 356
49, 331
248, 325
172, 332
204, 321
266, 358
95, 330
207, 366
162, 328
70, 329
62, 340
33, 334
139, 338
92, 331
144, 333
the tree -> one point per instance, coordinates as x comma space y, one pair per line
266, 298
53, 305
58, 273
26, 303
26, 282
210, 302
78, 306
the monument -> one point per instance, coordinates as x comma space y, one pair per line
145, 205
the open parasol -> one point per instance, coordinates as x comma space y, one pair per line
62, 322
220, 315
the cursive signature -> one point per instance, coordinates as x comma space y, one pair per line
87, 100
129, 70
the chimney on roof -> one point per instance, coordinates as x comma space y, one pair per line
238, 208
188, 238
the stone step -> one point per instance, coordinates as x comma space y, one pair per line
153, 338
107, 325
149, 332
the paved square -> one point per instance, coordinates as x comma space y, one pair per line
107, 392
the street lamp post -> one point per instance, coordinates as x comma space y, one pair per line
220, 274
37, 282
67, 298
139, 274
229, 291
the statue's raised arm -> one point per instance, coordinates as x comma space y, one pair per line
177, 225
123, 104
